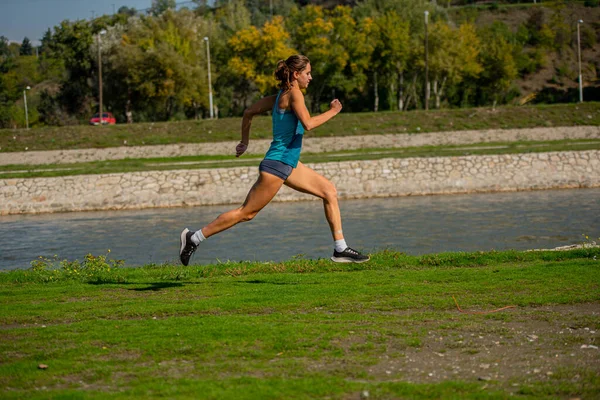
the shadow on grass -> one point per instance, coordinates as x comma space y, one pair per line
158, 286
260, 281
154, 286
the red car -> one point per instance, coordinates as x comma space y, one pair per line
107, 119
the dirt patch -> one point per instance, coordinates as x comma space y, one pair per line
519, 347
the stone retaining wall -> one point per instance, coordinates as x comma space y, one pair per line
353, 179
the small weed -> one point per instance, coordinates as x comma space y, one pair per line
236, 271
91, 269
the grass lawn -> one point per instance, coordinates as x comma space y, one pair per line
305, 329
345, 124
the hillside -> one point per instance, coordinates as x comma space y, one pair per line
557, 78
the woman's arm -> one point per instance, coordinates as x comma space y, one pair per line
263, 105
299, 107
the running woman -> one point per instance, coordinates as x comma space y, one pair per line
280, 165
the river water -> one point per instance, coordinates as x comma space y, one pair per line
414, 225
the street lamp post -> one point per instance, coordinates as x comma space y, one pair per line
25, 101
426, 63
102, 32
579, 56
210, 97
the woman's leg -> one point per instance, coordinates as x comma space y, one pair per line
306, 180
262, 192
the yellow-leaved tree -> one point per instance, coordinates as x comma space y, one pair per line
257, 52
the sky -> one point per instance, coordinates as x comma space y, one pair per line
31, 18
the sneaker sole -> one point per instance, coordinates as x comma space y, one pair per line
182, 240
348, 260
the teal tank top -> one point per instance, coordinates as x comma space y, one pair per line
287, 136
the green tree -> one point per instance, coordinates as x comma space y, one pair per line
357, 39
26, 48
129, 11
45, 41
231, 90
339, 48
499, 68
71, 43
392, 52
160, 6
159, 65
4, 51
22, 72
453, 56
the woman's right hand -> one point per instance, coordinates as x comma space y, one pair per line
240, 149
336, 106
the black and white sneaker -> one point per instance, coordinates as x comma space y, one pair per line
187, 246
349, 256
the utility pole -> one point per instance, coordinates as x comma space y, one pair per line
579, 57
25, 101
210, 96
426, 63
102, 32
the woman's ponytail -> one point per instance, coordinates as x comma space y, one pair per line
282, 74
286, 68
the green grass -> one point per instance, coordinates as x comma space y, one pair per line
197, 162
83, 136
299, 329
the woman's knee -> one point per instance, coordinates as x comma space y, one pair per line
247, 215
330, 192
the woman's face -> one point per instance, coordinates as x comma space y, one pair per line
304, 77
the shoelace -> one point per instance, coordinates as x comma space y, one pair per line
188, 252
352, 251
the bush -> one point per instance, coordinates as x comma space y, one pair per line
529, 62
591, 3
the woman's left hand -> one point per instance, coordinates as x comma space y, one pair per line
240, 149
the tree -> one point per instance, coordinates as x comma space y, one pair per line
231, 91
257, 52
339, 49
159, 65
498, 67
160, 6
130, 12
26, 49
21, 73
357, 40
453, 56
45, 42
71, 44
4, 50
392, 51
